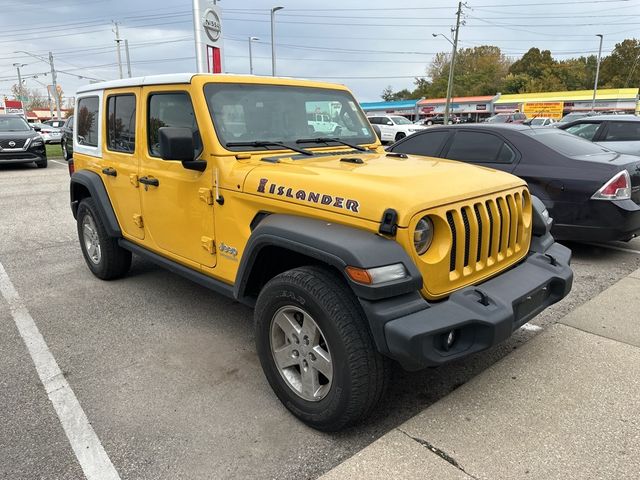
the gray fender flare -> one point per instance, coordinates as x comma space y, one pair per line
94, 185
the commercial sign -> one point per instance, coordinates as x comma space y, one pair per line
14, 106
207, 27
543, 109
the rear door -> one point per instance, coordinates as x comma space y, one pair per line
486, 149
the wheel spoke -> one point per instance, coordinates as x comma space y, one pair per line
322, 362
285, 356
287, 324
310, 383
310, 329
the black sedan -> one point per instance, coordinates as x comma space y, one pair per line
67, 139
20, 143
592, 193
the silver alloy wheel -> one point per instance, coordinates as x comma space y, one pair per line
301, 353
91, 239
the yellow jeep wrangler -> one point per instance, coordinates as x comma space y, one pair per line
350, 256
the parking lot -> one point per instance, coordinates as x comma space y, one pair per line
166, 371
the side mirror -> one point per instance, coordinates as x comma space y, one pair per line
376, 129
389, 122
36, 128
176, 144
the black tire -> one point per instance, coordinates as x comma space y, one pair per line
450, 122
361, 379
400, 136
114, 261
65, 151
429, 123
42, 163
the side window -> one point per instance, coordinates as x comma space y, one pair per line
476, 147
170, 110
374, 121
623, 132
87, 133
506, 154
584, 130
121, 123
428, 143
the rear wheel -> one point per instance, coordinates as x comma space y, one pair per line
400, 136
429, 122
316, 350
104, 257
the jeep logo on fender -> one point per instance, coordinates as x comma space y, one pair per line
312, 197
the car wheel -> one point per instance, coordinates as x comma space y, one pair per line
400, 136
429, 122
450, 122
65, 151
42, 163
316, 350
104, 257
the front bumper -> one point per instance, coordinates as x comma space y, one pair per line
483, 315
23, 156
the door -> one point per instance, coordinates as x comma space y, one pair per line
387, 129
178, 209
119, 169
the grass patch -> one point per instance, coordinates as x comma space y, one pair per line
54, 150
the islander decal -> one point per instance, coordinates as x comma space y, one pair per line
313, 197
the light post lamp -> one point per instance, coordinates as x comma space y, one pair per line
595, 84
447, 105
251, 39
273, 40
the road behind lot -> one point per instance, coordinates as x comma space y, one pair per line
166, 371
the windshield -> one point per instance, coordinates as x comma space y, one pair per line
276, 113
401, 121
572, 116
498, 119
565, 143
537, 121
13, 124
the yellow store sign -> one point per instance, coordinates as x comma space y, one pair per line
543, 109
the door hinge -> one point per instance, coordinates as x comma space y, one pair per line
137, 219
206, 195
133, 179
208, 244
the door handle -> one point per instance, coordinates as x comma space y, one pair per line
112, 172
149, 181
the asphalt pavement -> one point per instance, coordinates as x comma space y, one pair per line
166, 371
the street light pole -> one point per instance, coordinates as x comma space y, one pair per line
595, 84
251, 39
56, 95
126, 52
447, 106
273, 40
117, 32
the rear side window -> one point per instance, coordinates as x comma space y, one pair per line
121, 123
87, 133
170, 110
428, 143
374, 120
623, 132
584, 130
479, 147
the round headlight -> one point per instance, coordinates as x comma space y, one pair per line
423, 235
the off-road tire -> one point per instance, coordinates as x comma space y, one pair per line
360, 373
114, 260
42, 163
400, 136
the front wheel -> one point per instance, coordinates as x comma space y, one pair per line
104, 257
316, 350
400, 136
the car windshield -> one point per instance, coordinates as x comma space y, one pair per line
537, 121
569, 117
13, 124
565, 143
401, 121
498, 119
244, 113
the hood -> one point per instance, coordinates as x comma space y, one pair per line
368, 183
23, 135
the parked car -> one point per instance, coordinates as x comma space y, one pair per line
620, 133
66, 140
20, 142
592, 193
540, 122
439, 120
48, 133
54, 123
507, 118
322, 123
570, 117
394, 127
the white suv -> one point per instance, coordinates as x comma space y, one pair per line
394, 127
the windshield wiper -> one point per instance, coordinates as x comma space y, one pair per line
265, 143
331, 139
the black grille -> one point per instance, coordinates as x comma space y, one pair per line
452, 226
479, 220
18, 143
490, 229
467, 236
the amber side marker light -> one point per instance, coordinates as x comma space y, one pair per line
373, 276
359, 275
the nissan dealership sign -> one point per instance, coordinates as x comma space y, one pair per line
207, 32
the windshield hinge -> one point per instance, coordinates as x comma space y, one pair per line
206, 195
389, 222
208, 244
137, 219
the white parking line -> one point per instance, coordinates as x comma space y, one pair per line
58, 162
613, 247
94, 461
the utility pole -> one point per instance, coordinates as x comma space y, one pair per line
126, 52
595, 85
56, 95
273, 40
117, 32
18, 65
447, 106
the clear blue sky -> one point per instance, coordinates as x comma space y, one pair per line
366, 44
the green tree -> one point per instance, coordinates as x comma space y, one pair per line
622, 67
